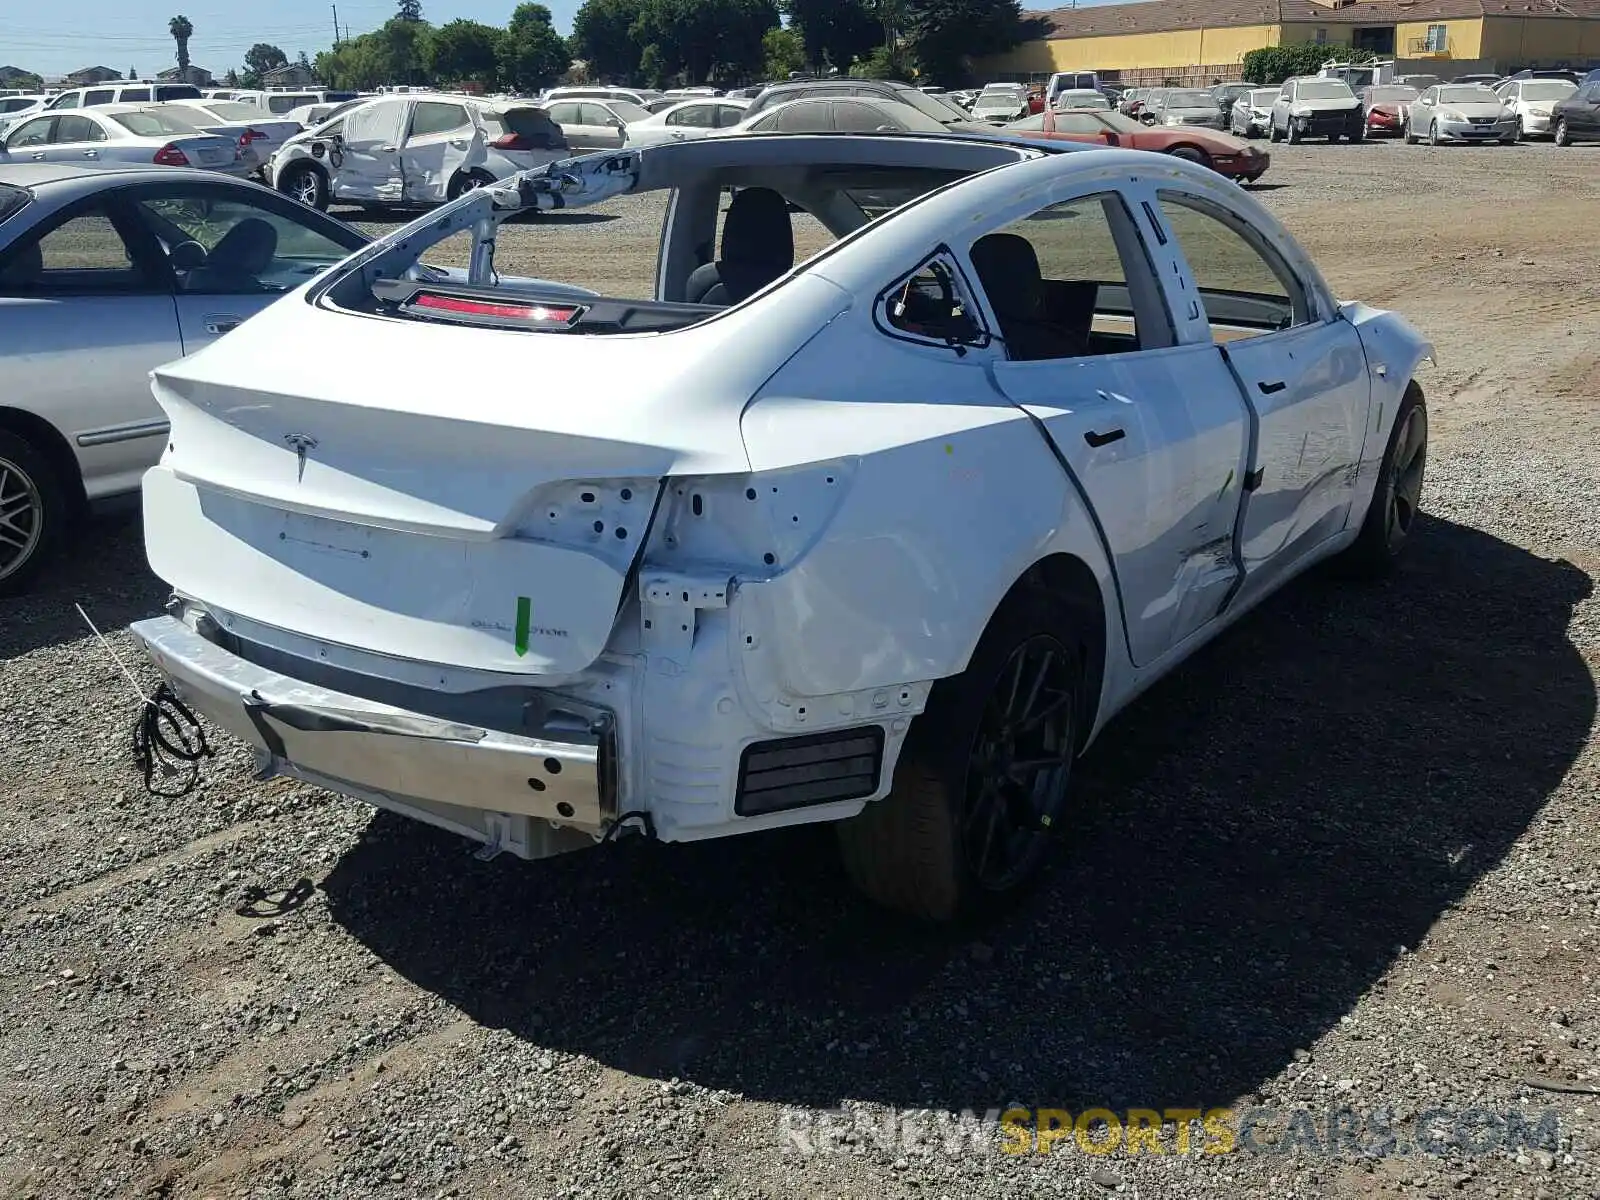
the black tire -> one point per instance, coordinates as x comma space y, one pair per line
34, 512
928, 848
1563, 135
1292, 134
305, 183
1272, 133
465, 181
1433, 133
1191, 154
1397, 496
1358, 133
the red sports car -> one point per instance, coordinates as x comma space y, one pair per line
1222, 152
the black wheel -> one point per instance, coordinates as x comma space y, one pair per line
1433, 133
1358, 133
33, 512
1293, 134
984, 778
1397, 497
467, 181
1191, 154
1522, 131
1272, 133
306, 184
1563, 134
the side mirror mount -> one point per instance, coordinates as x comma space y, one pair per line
1112, 139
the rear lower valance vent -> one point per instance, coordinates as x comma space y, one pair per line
819, 768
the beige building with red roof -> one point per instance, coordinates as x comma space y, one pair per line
1194, 41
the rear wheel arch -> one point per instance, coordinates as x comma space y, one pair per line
1065, 582
53, 446
1191, 153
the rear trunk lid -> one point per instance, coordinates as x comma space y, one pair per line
211, 151
468, 496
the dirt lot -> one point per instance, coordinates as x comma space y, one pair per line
1349, 857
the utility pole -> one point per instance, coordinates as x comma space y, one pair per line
335, 26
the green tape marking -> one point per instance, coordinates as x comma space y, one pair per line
524, 616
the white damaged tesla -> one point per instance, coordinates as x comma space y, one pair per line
883, 537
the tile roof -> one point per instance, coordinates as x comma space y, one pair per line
1160, 16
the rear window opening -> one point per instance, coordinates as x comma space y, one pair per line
523, 129
639, 262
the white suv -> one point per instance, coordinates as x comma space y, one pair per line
406, 150
131, 92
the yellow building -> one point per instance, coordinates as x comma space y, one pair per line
1195, 41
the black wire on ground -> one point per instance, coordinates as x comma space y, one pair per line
168, 739
646, 822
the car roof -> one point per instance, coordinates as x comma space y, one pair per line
32, 175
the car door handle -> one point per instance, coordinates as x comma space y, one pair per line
1104, 439
387, 149
91, 154
221, 324
458, 142
1276, 385
38, 155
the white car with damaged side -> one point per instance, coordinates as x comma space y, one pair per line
883, 537
414, 150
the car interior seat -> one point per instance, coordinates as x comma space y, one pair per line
1008, 268
757, 247
25, 270
236, 261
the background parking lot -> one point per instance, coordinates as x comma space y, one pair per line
1350, 854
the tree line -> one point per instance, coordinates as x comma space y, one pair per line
663, 42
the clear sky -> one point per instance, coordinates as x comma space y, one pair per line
54, 38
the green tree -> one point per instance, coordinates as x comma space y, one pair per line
182, 29
132, 74
409, 10
464, 50
231, 78
882, 62
700, 40
1271, 65
944, 36
603, 36
259, 59
403, 47
785, 53
530, 53
834, 32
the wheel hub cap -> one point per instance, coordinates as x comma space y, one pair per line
20, 512
1021, 763
1405, 477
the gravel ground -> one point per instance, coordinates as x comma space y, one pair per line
1346, 858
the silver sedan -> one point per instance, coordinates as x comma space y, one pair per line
105, 273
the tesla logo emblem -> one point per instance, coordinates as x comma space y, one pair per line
300, 443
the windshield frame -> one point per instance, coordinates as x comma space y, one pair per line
160, 117
1324, 89
1373, 96
1564, 88
1468, 93
1175, 98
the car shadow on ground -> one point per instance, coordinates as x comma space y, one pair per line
1257, 838
103, 568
